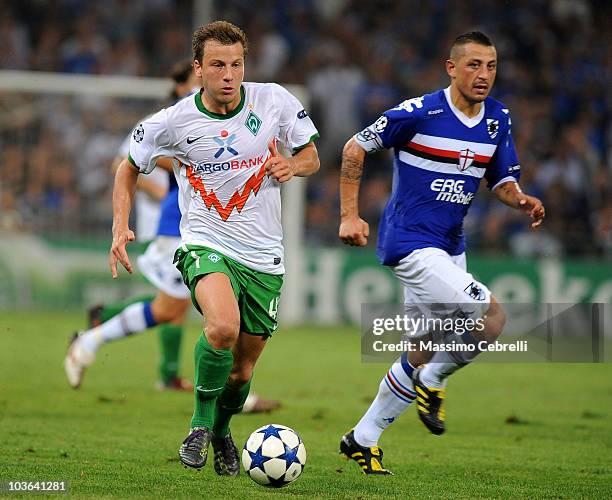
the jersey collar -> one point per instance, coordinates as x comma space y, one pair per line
466, 120
217, 116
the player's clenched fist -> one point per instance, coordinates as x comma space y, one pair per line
121, 237
354, 231
278, 167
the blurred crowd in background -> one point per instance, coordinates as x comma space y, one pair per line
356, 58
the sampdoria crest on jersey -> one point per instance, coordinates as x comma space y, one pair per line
492, 127
466, 158
253, 122
474, 291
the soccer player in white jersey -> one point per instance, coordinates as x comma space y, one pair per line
229, 172
158, 222
444, 143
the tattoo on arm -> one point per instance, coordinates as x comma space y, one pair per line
351, 170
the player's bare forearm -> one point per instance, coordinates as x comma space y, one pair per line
164, 162
510, 193
126, 179
153, 189
123, 198
306, 161
353, 230
353, 157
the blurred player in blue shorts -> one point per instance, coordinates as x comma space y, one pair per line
157, 219
444, 143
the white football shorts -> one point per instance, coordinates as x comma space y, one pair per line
438, 286
156, 264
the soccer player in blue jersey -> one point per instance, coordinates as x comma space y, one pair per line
444, 143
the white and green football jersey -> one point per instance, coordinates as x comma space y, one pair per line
227, 202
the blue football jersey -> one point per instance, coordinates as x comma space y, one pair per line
170, 216
440, 156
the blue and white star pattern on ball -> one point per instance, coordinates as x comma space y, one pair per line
270, 430
274, 456
257, 459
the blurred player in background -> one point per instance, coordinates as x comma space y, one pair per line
157, 220
223, 145
444, 144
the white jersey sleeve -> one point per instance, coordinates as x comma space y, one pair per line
296, 127
124, 149
150, 140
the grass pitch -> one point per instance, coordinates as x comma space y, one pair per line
534, 431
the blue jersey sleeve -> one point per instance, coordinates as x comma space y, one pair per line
504, 165
394, 127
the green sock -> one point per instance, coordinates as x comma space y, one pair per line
111, 310
229, 403
212, 367
170, 337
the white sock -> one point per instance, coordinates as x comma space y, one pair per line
134, 318
395, 394
441, 365
445, 363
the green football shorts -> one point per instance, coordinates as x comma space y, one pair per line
257, 293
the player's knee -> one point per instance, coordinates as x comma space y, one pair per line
166, 308
168, 311
222, 334
179, 317
162, 315
417, 357
495, 320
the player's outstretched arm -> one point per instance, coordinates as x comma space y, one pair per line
353, 229
123, 198
511, 194
302, 164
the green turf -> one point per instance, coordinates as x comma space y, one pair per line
118, 437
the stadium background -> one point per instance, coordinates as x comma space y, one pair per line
352, 59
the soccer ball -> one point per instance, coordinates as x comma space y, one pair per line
274, 456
